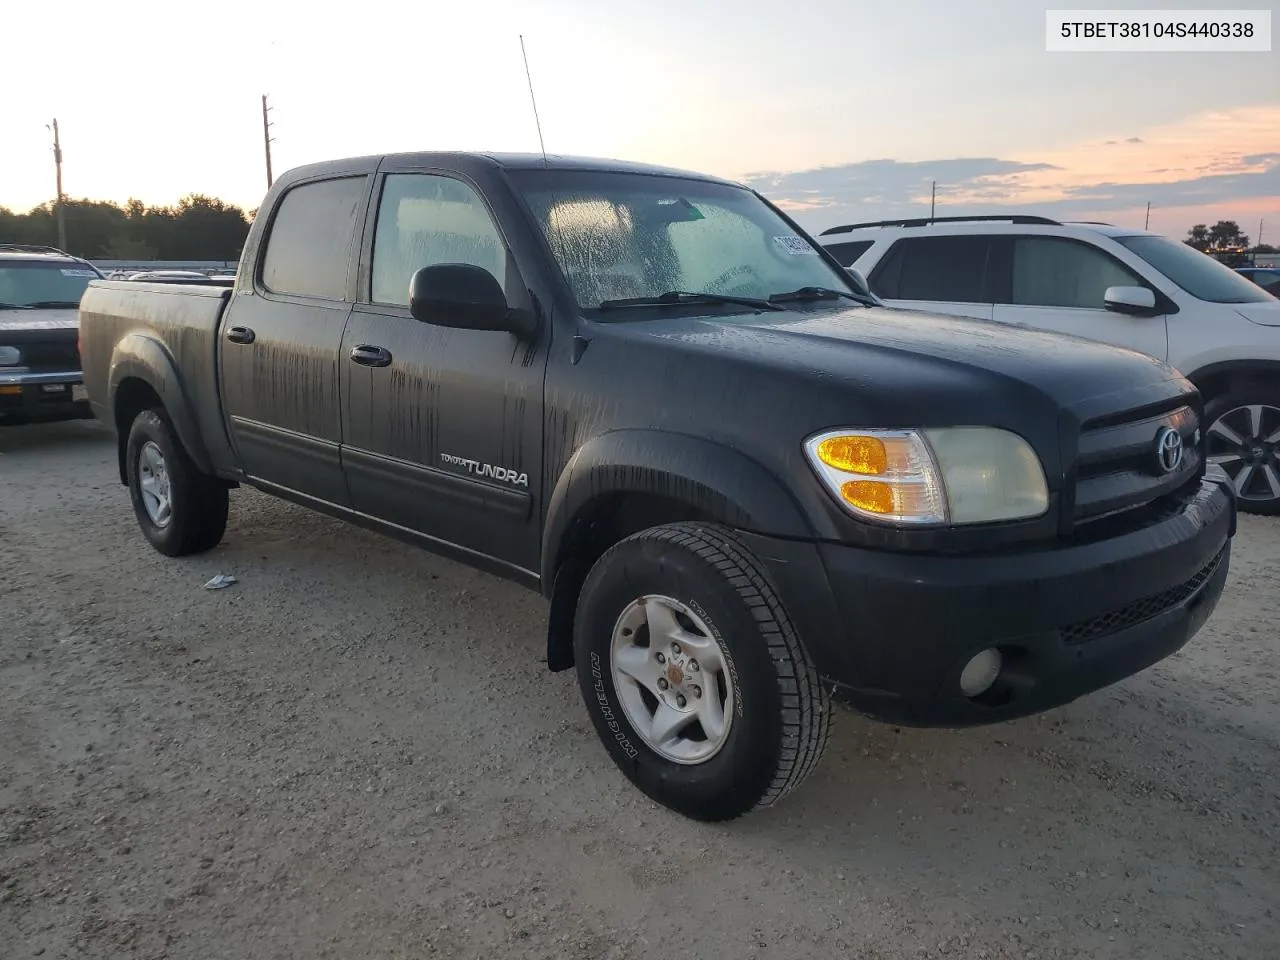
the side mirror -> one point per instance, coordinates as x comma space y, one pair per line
466, 297
859, 281
1131, 300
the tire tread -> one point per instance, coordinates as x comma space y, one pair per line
806, 705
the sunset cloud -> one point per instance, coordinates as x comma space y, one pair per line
1216, 165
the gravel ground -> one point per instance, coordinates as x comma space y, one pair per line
356, 752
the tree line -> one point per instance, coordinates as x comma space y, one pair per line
196, 228
1223, 237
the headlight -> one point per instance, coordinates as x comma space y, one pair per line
949, 475
10, 356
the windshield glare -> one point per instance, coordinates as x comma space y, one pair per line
619, 236
1197, 273
22, 284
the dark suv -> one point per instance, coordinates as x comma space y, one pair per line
40, 290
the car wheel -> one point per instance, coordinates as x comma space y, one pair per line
181, 510
1244, 440
696, 681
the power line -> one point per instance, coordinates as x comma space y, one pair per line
266, 138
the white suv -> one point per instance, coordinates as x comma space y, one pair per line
1130, 288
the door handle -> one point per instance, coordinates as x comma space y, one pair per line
241, 335
371, 356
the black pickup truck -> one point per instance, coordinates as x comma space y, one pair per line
743, 484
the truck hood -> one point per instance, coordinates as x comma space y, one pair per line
26, 320
916, 363
1266, 314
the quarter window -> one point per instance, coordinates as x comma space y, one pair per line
309, 248
848, 251
423, 220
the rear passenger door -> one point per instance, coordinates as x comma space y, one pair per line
1058, 283
939, 274
280, 339
443, 433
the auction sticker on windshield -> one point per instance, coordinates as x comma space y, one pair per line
796, 246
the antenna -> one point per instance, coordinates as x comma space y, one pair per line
533, 100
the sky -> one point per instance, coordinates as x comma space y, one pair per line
840, 110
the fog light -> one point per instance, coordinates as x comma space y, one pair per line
980, 672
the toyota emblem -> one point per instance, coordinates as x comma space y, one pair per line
1168, 449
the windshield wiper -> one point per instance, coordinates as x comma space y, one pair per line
818, 293
49, 304
680, 297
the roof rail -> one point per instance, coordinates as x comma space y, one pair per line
1092, 223
925, 221
32, 248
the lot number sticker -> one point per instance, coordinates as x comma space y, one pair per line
795, 246
78, 273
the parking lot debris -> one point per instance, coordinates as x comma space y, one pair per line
221, 582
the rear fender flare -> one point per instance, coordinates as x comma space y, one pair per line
138, 356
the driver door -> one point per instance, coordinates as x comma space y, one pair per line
442, 427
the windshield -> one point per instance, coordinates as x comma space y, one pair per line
1197, 273
624, 236
25, 284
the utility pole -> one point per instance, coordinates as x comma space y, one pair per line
58, 212
1260, 225
266, 138
1147, 223
933, 198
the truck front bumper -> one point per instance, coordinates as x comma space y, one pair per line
28, 396
893, 632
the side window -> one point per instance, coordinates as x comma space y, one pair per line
424, 219
849, 251
945, 269
309, 247
1050, 272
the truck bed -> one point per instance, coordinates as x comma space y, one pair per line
118, 317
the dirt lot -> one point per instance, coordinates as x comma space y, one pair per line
356, 753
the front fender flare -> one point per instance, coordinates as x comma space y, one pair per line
138, 356
718, 481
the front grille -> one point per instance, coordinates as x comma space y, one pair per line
1117, 468
1139, 611
50, 356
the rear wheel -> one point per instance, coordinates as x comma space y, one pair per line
695, 679
180, 510
1244, 439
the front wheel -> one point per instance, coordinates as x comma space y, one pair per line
1244, 439
694, 676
